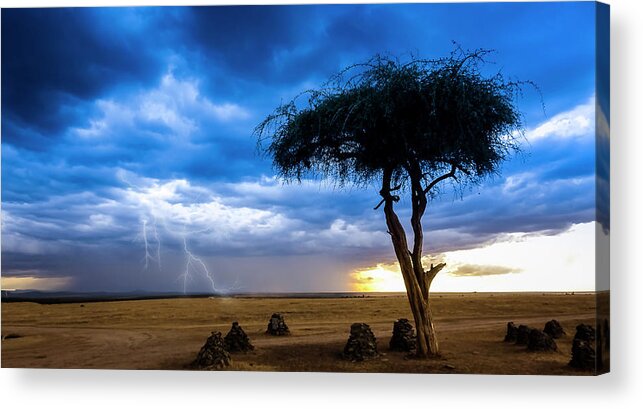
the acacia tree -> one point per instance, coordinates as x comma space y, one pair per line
406, 126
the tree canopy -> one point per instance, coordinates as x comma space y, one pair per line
421, 117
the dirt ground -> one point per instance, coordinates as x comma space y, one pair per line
168, 333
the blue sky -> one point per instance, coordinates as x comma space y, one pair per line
128, 160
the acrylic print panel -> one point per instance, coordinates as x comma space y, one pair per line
353, 188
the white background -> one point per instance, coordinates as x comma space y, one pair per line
111, 389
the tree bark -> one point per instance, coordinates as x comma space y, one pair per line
416, 280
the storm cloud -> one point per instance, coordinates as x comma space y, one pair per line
127, 141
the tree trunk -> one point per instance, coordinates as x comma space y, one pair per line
427, 343
416, 280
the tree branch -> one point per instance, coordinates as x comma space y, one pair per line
437, 180
386, 193
475, 55
418, 201
430, 275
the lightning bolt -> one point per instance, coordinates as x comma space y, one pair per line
151, 237
193, 261
148, 256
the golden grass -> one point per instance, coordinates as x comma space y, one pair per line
167, 334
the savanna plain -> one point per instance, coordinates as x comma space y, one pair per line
168, 333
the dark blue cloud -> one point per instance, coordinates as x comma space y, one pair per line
117, 118
54, 59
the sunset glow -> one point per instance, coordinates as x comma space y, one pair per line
517, 262
35, 283
381, 278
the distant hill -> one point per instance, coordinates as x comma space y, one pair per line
58, 297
